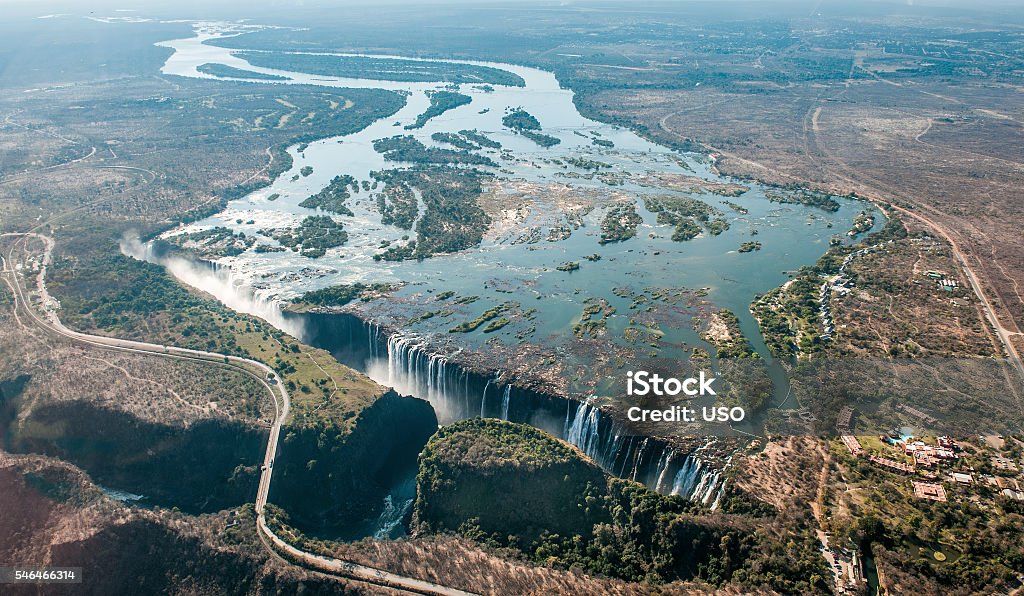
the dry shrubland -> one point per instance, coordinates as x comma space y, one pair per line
148, 387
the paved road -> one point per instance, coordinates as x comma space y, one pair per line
990, 312
1002, 334
354, 570
266, 375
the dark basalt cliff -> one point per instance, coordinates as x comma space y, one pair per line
511, 485
507, 478
10, 390
53, 513
330, 482
328, 478
206, 466
147, 557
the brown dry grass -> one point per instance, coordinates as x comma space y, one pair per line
460, 563
785, 474
950, 151
896, 309
147, 387
55, 516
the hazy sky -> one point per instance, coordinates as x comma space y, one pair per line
181, 7
82, 6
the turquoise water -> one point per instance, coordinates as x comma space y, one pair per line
534, 191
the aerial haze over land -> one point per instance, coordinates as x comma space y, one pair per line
355, 298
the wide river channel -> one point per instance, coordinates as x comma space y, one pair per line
535, 190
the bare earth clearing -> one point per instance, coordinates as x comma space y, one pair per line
950, 155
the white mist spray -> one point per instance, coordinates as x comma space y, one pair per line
219, 284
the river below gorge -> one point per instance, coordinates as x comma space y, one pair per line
578, 310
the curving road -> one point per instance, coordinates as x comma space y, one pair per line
258, 370
1003, 335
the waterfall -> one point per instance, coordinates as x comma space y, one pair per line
640, 458
721, 487
612, 447
412, 369
698, 481
630, 445
483, 400
718, 497
220, 282
663, 466
504, 401
373, 337
415, 366
402, 371
705, 487
437, 383
583, 432
686, 477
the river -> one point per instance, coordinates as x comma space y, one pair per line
535, 191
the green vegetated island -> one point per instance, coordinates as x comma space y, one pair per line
438, 197
313, 237
440, 102
479, 138
619, 223
383, 69
527, 125
214, 242
468, 140
453, 220
684, 213
492, 316
803, 196
520, 490
409, 148
689, 216
230, 72
340, 295
332, 198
